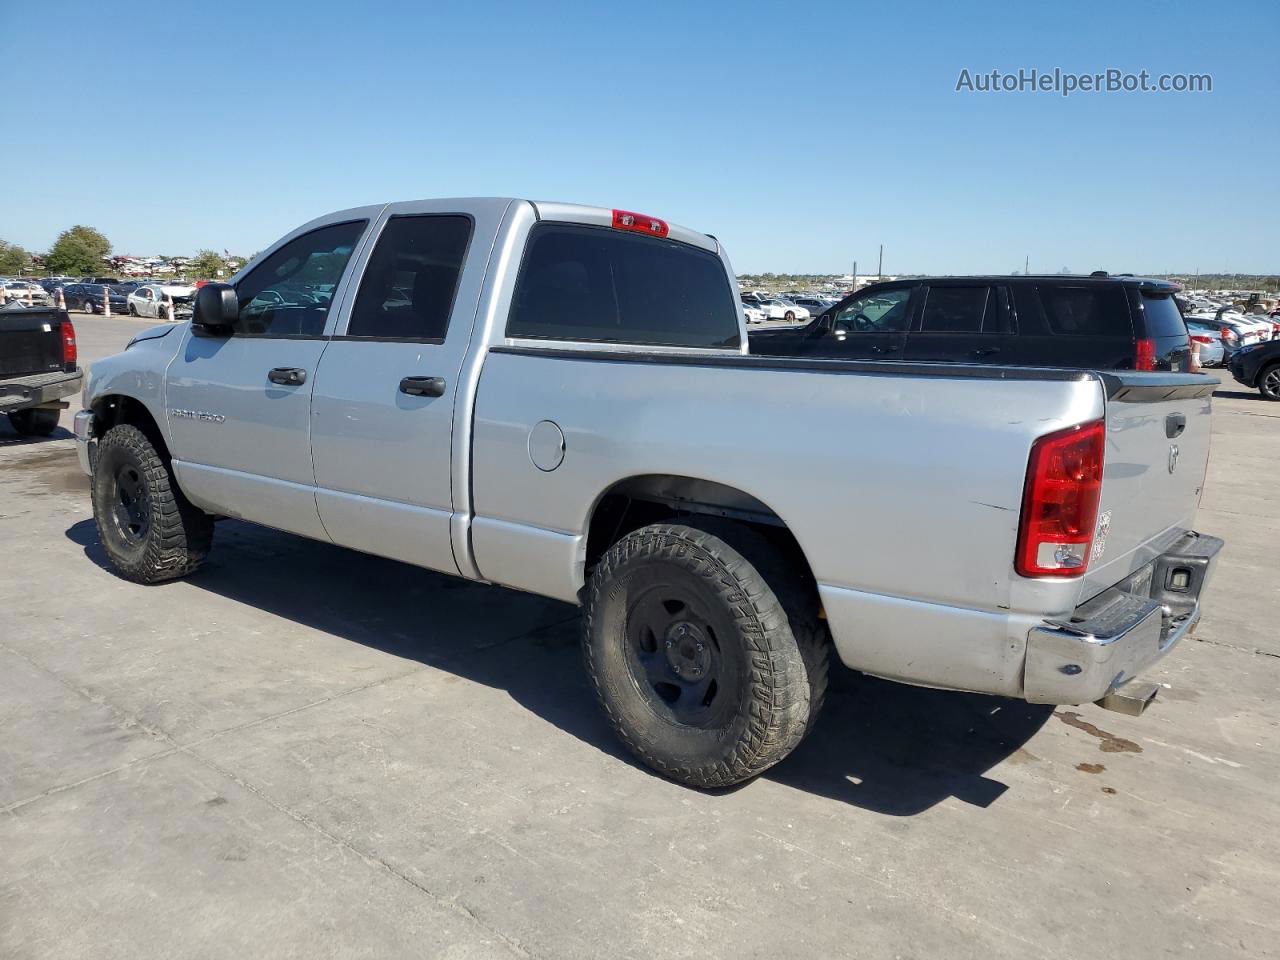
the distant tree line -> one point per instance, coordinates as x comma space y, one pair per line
83, 251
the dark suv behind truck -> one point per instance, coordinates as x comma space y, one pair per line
1100, 322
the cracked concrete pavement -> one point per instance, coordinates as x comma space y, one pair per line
304, 751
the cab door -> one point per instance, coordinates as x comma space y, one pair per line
871, 326
962, 322
389, 386
239, 406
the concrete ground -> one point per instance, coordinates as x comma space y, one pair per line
307, 752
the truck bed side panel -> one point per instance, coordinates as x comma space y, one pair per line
901, 487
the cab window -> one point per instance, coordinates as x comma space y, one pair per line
409, 285
882, 311
599, 284
290, 292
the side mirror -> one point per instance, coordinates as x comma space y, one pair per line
216, 308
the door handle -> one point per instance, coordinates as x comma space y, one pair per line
423, 386
288, 376
986, 352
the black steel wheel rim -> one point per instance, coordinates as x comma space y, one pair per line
130, 511
677, 651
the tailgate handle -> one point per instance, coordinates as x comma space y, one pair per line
1174, 424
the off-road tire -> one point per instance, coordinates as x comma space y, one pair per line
177, 535
1269, 382
776, 638
34, 423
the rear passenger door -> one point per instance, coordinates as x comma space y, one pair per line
382, 412
962, 323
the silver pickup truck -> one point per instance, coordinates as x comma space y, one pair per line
559, 398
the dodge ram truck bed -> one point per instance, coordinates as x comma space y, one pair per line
560, 399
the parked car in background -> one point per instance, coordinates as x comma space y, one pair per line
1208, 346
1231, 331
106, 280
1095, 322
23, 291
88, 297
1258, 326
152, 300
1258, 367
815, 305
753, 313
776, 309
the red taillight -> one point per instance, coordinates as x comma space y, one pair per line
1201, 338
1060, 503
639, 222
1145, 358
1228, 335
68, 343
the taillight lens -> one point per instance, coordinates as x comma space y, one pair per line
1228, 335
640, 223
1060, 502
68, 343
1201, 338
1146, 355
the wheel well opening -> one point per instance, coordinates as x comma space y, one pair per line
662, 498
111, 411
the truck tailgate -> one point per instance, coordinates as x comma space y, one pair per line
30, 342
1157, 449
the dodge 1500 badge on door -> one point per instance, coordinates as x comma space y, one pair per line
559, 398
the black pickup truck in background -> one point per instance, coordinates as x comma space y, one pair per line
1102, 322
37, 367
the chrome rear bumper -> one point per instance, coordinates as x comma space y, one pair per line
1112, 637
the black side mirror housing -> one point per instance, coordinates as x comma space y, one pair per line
216, 309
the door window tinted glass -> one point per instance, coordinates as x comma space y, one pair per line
289, 293
595, 283
955, 309
1161, 317
882, 312
408, 287
1087, 311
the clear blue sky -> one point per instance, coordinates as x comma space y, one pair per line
801, 134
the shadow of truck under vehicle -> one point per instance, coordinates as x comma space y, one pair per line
882, 746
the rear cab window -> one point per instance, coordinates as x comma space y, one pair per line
599, 285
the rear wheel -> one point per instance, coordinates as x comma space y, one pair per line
150, 531
34, 423
1269, 382
704, 670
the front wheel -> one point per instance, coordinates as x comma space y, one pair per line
1269, 382
701, 670
133, 309
789, 317
150, 531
